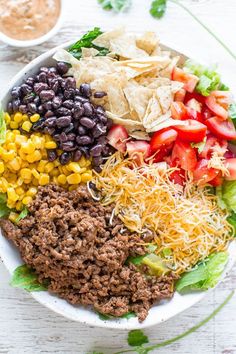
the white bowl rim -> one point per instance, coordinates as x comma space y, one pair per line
177, 304
39, 40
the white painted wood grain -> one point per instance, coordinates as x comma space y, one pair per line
28, 328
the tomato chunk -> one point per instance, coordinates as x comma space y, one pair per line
218, 102
117, 137
139, 150
180, 95
197, 96
162, 138
194, 131
195, 115
221, 129
184, 155
189, 80
217, 181
179, 111
202, 174
194, 104
214, 145
231, 166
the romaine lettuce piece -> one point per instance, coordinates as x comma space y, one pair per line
227, 195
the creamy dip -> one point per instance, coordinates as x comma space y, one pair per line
28, 19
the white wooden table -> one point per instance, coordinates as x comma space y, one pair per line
26, 326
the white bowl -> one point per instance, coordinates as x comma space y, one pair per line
32, 42
10, 256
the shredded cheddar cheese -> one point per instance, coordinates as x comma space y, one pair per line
186, 220
218, 162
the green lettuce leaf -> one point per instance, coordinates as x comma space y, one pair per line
3, 128
206, 275
4, 210
87, 42
232, 111
209, 79
227, 195
25, 278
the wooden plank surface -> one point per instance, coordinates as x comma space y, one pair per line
26, 326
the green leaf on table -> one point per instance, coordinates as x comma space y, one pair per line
22, 215
105, 317
137, 338
87, 42
158, 8
26, 278
232, 111
116, 5
3, 128
106, 4
206, 275
4, 210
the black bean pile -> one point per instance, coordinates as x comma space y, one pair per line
67, 114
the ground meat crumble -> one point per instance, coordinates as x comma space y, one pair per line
68, 240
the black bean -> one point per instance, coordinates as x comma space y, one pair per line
82, 130
97, 160
109, 123
63, 137
85, 151
70, 83
77, 155
52, 70
85, 90
87, 122
88, 109
30, 81
71, 136
98, 130
97, 169
43, 69
23, 108
78, 111
28, 98
65, 158
37, 100
46, 95
9, 107
49, 131
62, 111
62, 83
52, 155
15, 104
63, 121
39, 125
16, 92
38, 87
51, 122
56, 137
100, 110
100, 94
47, 106
55, 86
32, 108
81, 99
68, 104
26, 89
70, 93
83, 140
56, 102
41, 109
42, 77
102, 140
102, 118
49, 114
96, 150
69, 128
62, 67
68, 146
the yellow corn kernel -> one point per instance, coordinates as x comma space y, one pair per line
48, 138
26, 126
55, 172
26, 173
54, 180
13, 124
86, 177
7, 118
25, 117
15, 164
56, 163
36, 156
16, 132
88, 163
82, 162
35, 182
61, 179
72, 188
28, 147
43, 179
27, 181
38, 141
49, 167
11, 146
31, 192
11, 177
50, 145
83, 169
11, 204
35, 173
20, 139
27, 200
2, 168
11, 194
8, 155
18, 205
34, 118
13, 216
17, 117
41, 165
10, 137
74, 178
20, 191
74, 167
20, 181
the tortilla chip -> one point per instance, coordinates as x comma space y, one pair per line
164, 96
105, 38
89, 52
139, 135
148, 42
165, 122
129, 124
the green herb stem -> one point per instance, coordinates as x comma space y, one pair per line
184, 334
233, 55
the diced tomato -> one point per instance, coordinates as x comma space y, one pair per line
206, 113
192, 114
162, 154
180, 95
194, 104
230, 164
162, 138
213, 145
193, 132
202, 174
229, 155
217, 181
197, 96
179, 111
184, 155
221, 129
117, 137
139, 150
189, 80
218, 102
177, 176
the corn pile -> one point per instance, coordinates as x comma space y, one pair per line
24, 165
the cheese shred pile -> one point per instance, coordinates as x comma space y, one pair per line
186, 221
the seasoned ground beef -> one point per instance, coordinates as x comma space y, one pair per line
68, 240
